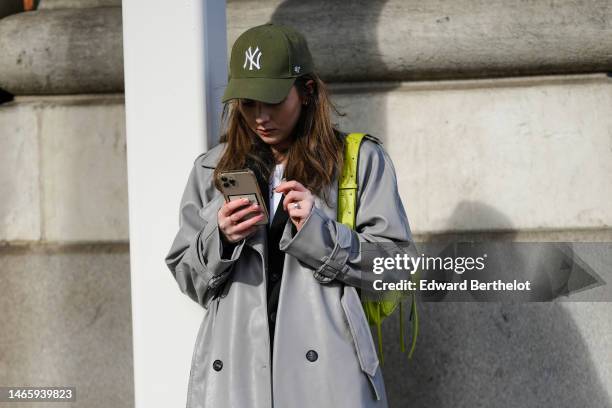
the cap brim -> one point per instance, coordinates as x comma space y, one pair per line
259, 89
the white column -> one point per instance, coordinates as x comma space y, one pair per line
175, 69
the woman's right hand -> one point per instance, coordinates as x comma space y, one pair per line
230, 219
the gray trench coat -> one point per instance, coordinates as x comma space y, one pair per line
323, 351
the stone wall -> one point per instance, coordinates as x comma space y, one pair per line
64, 251
496, 115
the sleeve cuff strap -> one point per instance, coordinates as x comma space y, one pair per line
329, 270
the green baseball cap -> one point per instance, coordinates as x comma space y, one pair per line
265, 62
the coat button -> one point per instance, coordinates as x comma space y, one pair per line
273, 316
312, 355
275, 276
218, 365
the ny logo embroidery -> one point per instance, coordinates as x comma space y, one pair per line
252, 58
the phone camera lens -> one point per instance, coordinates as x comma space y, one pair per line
232, 182
223, 178
225, 184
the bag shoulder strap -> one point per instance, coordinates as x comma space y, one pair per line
347, 207
347, 185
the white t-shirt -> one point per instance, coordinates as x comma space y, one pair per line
274, 199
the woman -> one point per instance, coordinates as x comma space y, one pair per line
284, 325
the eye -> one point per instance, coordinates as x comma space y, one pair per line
247, 103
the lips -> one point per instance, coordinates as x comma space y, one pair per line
265, 132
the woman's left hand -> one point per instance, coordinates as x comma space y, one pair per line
298, 201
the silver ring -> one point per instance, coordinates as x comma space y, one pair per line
296, 206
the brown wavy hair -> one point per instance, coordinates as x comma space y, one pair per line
314, 158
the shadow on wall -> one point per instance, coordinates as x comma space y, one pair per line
492, 354
343, 34
5, 96
468, 354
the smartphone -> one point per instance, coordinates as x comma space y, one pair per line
237, 184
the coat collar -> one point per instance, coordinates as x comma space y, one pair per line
212, 156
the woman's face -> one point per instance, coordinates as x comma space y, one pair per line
273, 123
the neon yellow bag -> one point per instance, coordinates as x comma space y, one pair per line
375, 311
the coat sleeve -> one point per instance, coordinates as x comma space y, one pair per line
333, 250
196, 258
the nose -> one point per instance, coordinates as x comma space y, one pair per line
262, 113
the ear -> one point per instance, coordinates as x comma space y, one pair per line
309, 85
